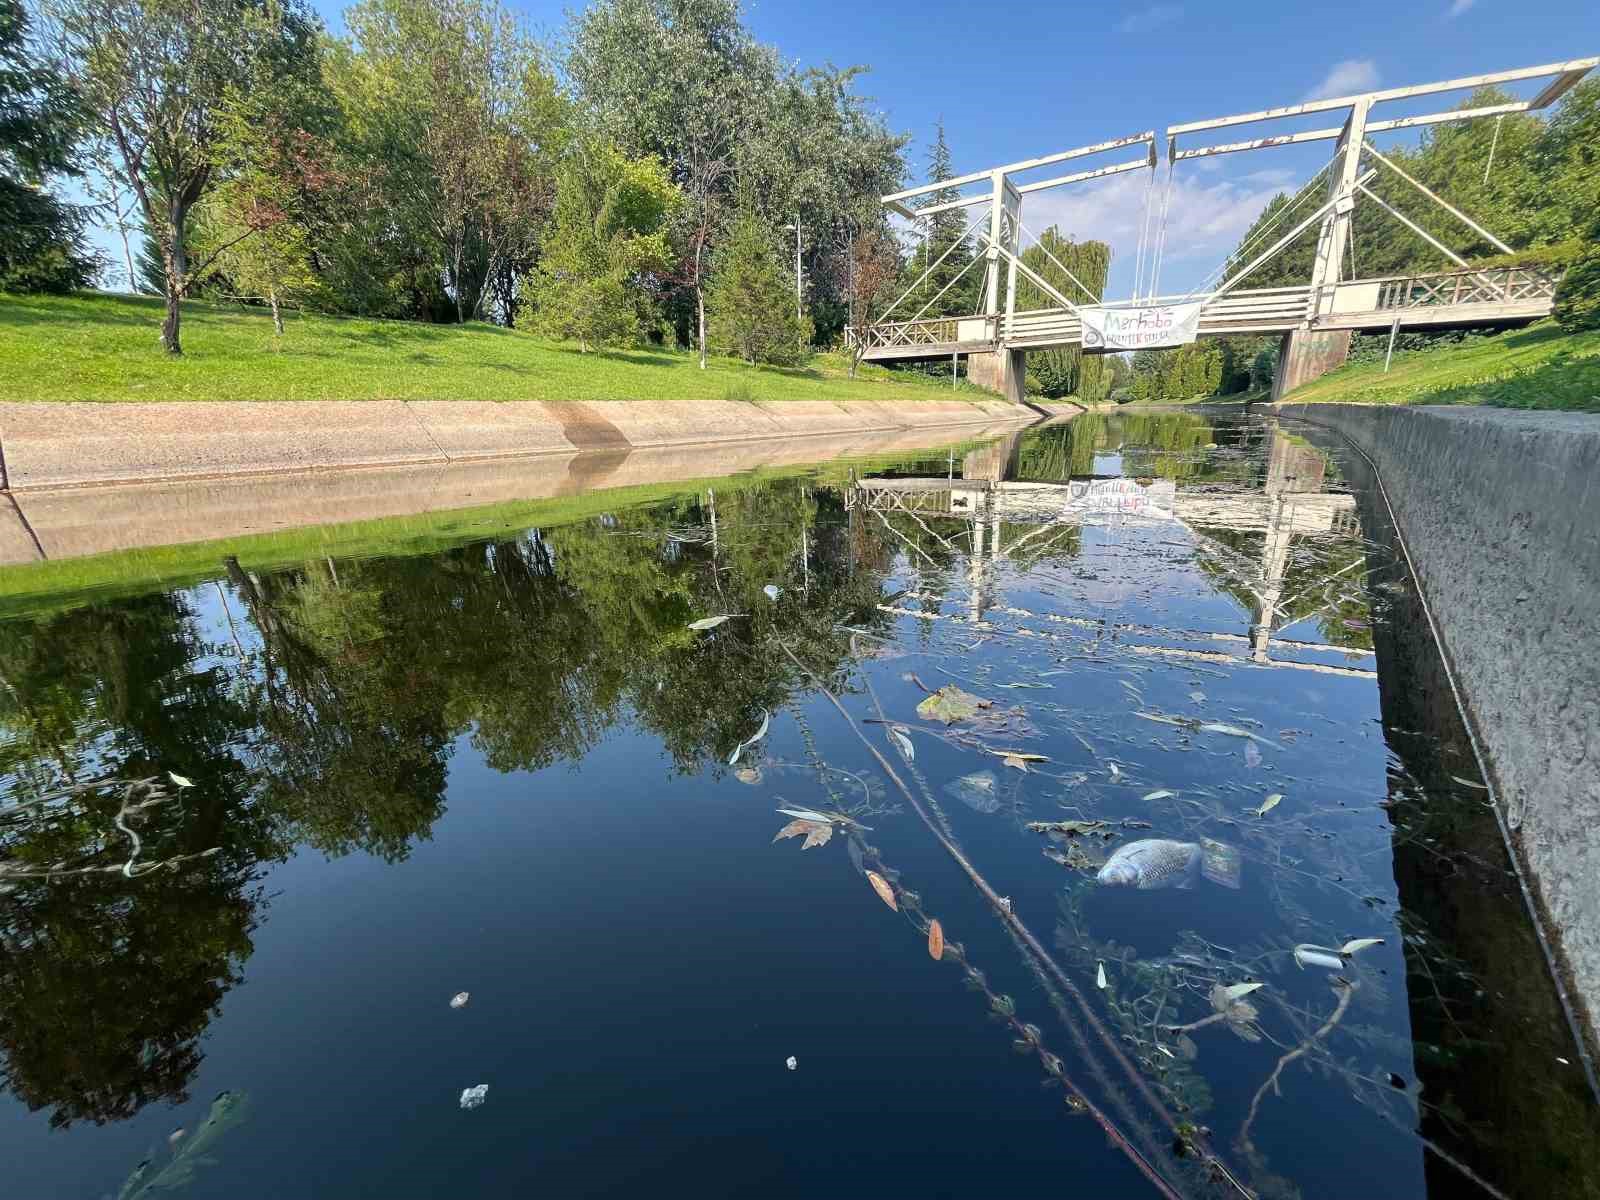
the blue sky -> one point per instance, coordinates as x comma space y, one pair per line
1025, 78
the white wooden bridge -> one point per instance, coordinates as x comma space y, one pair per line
1315, 320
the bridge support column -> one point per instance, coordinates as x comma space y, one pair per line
1307, 354
1004, 371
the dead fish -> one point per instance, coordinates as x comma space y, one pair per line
1152, 863
979, 792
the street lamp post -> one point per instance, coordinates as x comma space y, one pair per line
796, 228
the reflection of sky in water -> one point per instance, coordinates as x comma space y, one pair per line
641, 958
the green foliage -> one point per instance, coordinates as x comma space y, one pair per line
943, 232
609, 230
1065, 264
41, 238
1167, 376
750, 308
1578, 295
1537, 195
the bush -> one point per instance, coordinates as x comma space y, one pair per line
1578, 296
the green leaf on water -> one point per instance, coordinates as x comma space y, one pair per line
1267, 805
950, 704
1159, 794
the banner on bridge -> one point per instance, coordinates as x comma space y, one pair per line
1148, 327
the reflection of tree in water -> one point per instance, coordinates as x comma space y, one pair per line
1166, 445
106, 984
328, 721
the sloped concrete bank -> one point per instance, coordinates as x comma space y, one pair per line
65, 445
1500, 513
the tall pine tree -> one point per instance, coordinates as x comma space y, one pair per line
942, 231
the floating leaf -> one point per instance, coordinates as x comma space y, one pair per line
705, 623
1160, 794
1011, 760
979, 791
1066, 828
1187, 1048
1198, 697
1020, 754
826, 818
817, 832
1317, 956
748, 775
950, 704
1239, 990
1100, 975
901, 737
1236, 731
761, 732
1357, 945
935, 940
180, 781
885, 892
1267, 805
818, 835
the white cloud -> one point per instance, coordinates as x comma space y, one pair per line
1205, 220
1457, 7
1346, 78
1156, 16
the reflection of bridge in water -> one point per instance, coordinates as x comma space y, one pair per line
1290, 504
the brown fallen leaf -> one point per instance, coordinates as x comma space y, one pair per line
817, 836
1020, 754
885, 892
817, 832
935, 940
1012, 760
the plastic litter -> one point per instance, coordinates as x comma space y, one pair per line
473, 1097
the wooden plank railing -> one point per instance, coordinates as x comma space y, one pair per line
890, 335
1491, 285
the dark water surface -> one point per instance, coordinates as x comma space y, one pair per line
505, 769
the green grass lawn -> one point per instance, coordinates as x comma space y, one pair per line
1541, 366
104, 347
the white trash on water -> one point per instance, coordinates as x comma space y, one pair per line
459, 1000
791, 1062
472, 1097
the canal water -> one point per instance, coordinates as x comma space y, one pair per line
769, 840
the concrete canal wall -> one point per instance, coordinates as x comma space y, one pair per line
61, 445
1500, 511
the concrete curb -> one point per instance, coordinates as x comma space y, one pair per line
52, 445
1500, 511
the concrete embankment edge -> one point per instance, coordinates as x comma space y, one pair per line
62, 445
1500, 512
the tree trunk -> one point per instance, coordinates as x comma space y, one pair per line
700, 301
176, 262
277, 317
700, 307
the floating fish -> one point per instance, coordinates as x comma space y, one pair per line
1152, 863
979, 792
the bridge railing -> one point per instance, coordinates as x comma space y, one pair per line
910, 335
1491, 285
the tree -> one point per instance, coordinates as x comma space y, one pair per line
750, 308
1065, 265
944, 233
156, 77
41, 239
873, 279
273, 169
454, 112
610, 228
679, 80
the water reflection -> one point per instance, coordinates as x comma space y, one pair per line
1181, 617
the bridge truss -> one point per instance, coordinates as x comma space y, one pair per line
996, 336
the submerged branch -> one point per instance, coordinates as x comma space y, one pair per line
1345, 993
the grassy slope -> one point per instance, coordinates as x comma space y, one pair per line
102, 347
1538, 367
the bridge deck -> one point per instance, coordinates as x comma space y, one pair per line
1495, 296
